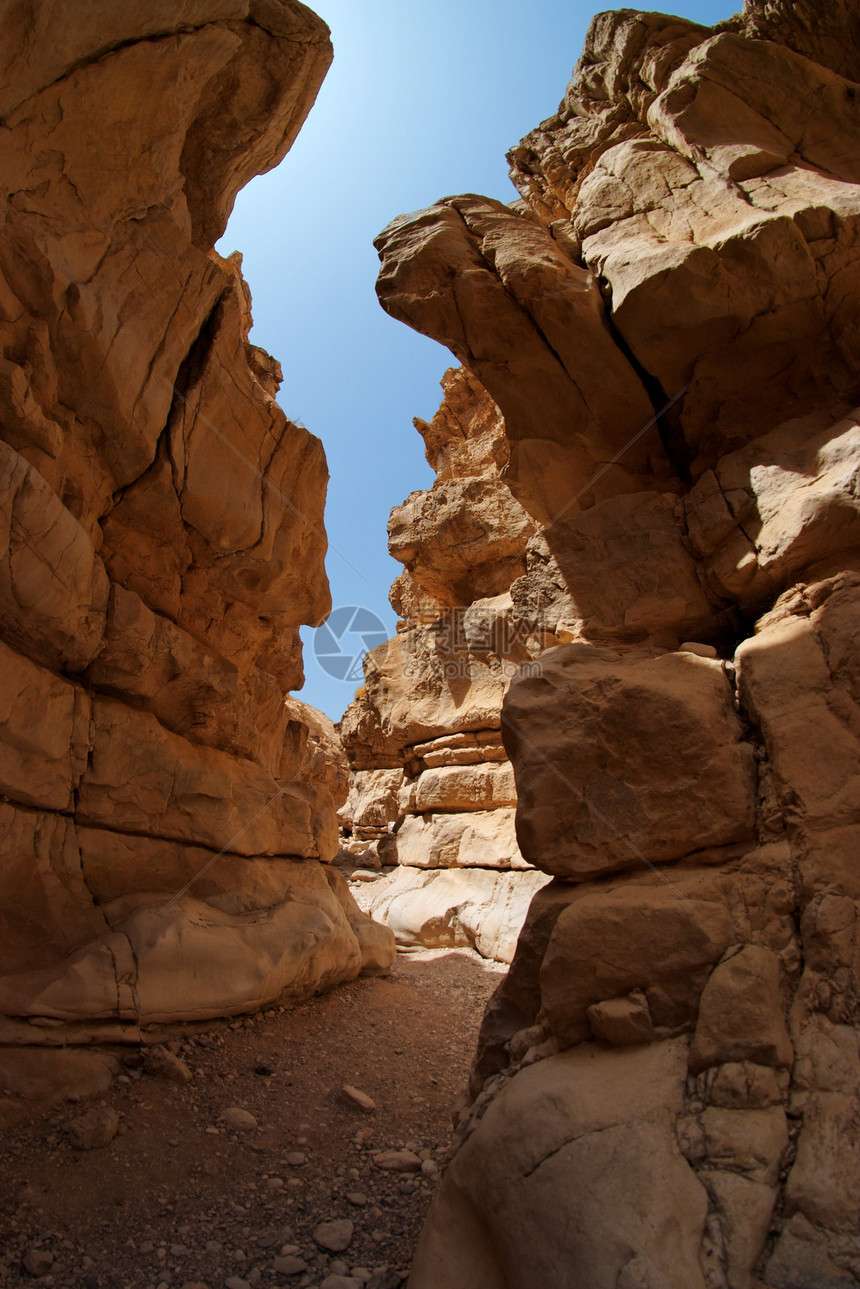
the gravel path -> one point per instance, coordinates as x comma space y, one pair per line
180, 1198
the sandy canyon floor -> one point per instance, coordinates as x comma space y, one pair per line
179, 1199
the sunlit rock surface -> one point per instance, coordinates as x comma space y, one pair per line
432, 794
665, 1091
168, 810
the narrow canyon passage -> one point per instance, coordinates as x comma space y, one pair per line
613, 743
178, 1197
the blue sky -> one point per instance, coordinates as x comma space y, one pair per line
423, 100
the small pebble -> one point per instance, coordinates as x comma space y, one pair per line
384, 1278
334, 1236
289, 1265
238, 1119
359, 1098
160, 1063
95, 1129
397, 1161
38, 1262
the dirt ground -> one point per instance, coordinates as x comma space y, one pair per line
179, 1199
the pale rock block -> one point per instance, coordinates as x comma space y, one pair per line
475, 907
455, 788
376, 942
470, 839
374, 798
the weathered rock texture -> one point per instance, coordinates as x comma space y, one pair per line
432, 790
161, 533
665, 1092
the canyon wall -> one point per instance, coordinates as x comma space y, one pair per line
168, 811
665, 1092
432, 790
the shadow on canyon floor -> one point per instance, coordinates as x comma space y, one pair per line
173, 1202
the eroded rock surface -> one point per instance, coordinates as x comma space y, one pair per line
431, 790
665, 1090
168, 810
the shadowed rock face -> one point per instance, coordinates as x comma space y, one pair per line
162, 535
665, 1091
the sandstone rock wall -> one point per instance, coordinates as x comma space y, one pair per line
432, 791
161, 537
665, 1092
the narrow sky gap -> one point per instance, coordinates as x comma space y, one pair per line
422, 102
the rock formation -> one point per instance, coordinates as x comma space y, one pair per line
166, 807
432, 790
665, 1092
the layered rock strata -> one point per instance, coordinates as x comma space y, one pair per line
167, 808
432, 792
665, 1092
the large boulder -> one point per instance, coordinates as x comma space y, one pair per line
647, 766
573, 1175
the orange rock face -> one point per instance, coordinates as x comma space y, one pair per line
665, 1092
162, 532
